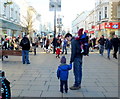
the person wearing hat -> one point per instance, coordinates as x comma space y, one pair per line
62, 74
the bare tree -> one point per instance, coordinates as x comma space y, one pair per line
28, 22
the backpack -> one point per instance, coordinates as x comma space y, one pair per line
25, 42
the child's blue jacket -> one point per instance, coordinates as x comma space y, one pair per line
62, 71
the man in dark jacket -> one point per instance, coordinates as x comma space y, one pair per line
119, 45
76, 58
115, 43
101, 41
25, 44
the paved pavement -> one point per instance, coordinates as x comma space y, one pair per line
38, 79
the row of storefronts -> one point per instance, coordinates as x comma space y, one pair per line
107, 29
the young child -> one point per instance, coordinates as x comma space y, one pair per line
62, 73
58, 50
83, 41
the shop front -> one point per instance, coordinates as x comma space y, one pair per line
110, 28
9, 28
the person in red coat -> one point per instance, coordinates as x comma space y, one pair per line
58, 50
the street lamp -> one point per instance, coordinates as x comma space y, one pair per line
55, 5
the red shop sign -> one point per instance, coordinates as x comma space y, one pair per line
110, 25
97, 27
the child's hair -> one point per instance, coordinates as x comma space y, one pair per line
63, 59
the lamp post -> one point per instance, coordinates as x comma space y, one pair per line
55, 5
55, 21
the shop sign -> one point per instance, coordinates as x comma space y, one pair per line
91, 32
110, 25
97, 27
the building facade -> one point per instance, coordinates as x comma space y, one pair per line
79, 22
9, 18
104, 19
107, 18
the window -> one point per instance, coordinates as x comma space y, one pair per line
12, 12
5, 10
105, 12
16, 14
99, 15
118, 11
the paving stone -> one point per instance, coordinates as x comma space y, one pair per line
93, 94
73, 94
51, 94
29, 93
22, 87
111, 89
110, 94
16, 93
39, 88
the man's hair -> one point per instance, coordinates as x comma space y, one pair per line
68, 35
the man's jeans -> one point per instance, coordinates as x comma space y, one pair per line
108, 52
25, 56
64, 48
101, 49
77, 69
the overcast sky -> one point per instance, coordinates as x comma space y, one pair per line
69, 9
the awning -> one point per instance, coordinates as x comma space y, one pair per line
9, 25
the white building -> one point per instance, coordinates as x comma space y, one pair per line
79, 22
10, 18
103, 20
90, 22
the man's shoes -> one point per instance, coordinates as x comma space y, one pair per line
108, 57
115, 57
61, 91
28, 63
75, 87
66, 91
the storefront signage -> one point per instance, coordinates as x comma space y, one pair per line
110, 25
97, 27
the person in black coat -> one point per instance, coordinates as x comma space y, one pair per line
108, 46
119, 45
101, 41
25, 44
115, 43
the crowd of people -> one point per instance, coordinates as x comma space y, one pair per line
60, 44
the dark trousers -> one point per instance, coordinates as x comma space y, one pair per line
115, 54
65, 84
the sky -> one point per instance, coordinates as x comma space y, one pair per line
69, 10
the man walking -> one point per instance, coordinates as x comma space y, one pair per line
101, 41
25, 44
115, 43
76, 58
